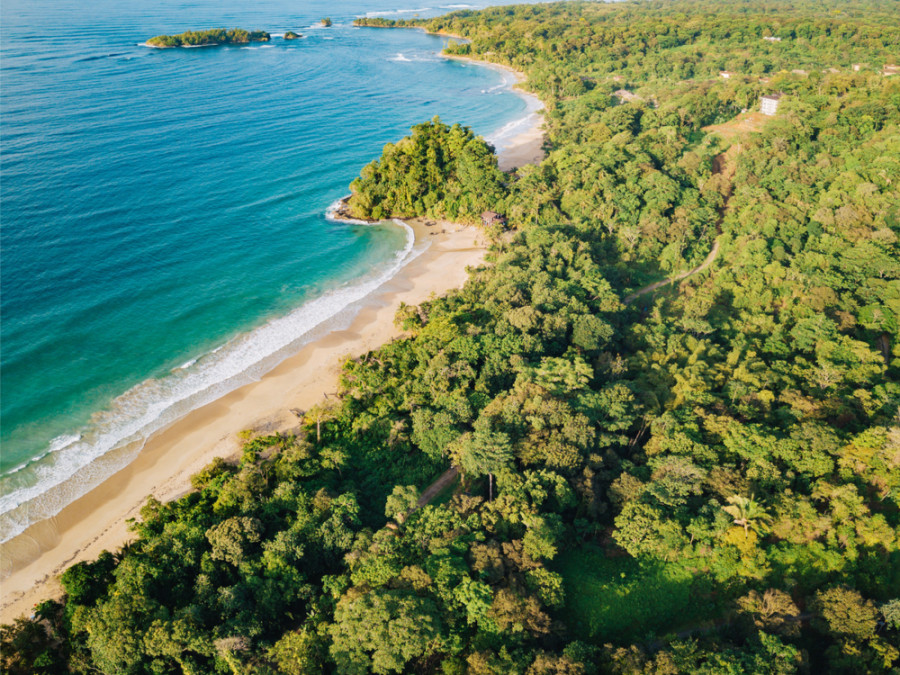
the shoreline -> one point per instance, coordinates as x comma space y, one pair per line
97, 521
526, 147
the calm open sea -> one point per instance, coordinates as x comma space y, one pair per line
164, 237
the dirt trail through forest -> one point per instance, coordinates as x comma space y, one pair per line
724, 165
437, 486
678, 277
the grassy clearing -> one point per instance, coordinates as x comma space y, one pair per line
623, 600
738, 128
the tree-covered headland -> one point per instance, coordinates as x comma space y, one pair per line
215, 36
438, 170
704, 478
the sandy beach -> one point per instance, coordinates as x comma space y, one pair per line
97, 521
526, 148
32, 561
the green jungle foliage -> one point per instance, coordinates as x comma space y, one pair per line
375, 22
700, 479
216, 36
622, 596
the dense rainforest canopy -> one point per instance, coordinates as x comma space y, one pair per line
700, 479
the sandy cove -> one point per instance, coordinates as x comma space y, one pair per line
32, 561
97, 521
527, 147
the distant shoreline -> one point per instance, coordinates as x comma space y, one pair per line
424, 30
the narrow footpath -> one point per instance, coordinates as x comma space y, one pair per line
433, 490
678, 277
724, 164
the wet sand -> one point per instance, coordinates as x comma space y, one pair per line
526, 147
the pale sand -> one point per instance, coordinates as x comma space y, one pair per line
97, 521
526, 148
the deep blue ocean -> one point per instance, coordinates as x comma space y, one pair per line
162, 212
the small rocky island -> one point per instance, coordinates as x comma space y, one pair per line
208, 38
291, 35
326, 22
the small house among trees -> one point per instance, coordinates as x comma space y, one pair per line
626, 96
768, 105
489, 218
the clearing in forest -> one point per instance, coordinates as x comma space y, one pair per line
724, 165
623, 599
740, 126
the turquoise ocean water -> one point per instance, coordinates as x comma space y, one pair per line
162, 212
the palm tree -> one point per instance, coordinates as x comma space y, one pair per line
748, 513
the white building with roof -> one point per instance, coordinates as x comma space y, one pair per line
768, 104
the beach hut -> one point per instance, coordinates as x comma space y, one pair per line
489, 218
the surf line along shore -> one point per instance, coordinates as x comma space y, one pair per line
32, 561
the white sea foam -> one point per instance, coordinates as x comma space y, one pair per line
55, 445
506, 84
415, 57
390, 12
501, 138
73, 465
331, 214
64, 441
